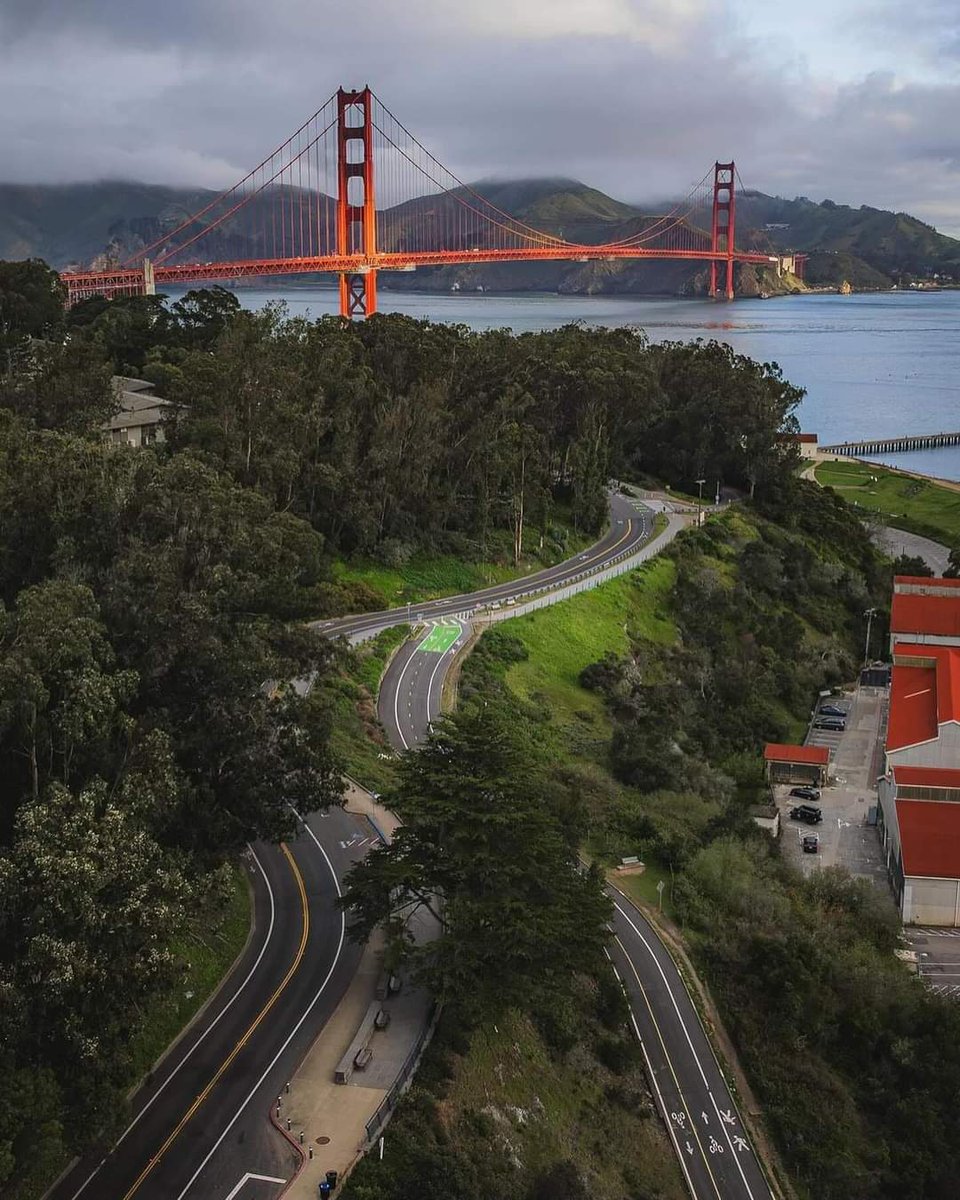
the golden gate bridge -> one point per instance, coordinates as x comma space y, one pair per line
312, 206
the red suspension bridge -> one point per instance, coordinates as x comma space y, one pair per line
353, 192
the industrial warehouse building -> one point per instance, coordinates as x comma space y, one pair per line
925, 610
919, 809
919, 824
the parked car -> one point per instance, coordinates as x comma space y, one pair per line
832, 710
805, 793
807, 813
811, 844
832, 724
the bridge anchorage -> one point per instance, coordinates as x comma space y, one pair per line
352, 192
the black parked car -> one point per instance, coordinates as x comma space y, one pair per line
833, 724
806, 813
811, 844
805, 793
832, 710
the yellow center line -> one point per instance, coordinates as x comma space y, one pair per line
686, 1107
246, 1037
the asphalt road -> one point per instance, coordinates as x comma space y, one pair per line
629, 528
200, 1124
714, 1151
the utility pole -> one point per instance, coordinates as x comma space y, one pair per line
700, 483
869, 614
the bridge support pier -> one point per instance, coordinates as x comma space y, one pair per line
722, 225
356, 210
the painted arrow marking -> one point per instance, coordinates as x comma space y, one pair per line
246, 1179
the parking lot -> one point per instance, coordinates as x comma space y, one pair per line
845, 838
938, 958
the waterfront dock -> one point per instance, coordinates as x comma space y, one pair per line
892, 445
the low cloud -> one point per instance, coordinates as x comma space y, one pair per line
635, 98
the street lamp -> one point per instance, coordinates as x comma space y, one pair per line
700, 483
869, 614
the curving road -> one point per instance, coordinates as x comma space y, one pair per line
713, 1149
200, 1125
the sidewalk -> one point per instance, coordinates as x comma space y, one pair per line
333, 1117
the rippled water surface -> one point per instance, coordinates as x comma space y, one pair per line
872, 365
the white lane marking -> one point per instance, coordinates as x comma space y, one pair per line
263, 949
396, 699
686, 1034
681, 1116
250, 1175
295, 1030
663, 1108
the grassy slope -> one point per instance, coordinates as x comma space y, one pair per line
430, 577
565, 638
901, 500
548, 1109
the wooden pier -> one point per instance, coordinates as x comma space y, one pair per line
893, 445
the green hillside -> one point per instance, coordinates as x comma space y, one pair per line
866, 240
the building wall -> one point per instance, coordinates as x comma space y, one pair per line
783, 772
924, 639
944, 751
887, 825
931, 901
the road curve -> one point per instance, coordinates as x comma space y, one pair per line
630, 528
199, 1123
706, 1130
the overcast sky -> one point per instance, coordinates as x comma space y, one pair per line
857, 100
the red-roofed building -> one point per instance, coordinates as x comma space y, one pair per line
919, 811
925, 611
923, 727
796, 764
919, 823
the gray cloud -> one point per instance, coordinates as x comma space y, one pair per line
633, 96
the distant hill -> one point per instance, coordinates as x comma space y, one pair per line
876, 245
871, 248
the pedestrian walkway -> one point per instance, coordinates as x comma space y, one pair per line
330, 1119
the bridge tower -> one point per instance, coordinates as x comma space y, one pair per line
722, 224
356, 212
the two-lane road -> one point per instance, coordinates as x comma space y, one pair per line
200, 1122
705, 1127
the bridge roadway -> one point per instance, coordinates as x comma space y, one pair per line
705, 1127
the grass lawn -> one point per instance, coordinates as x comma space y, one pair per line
644, 887
900, 500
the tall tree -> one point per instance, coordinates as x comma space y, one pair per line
483, 850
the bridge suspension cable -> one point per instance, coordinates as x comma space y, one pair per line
352, 192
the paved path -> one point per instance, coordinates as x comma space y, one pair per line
897, 541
